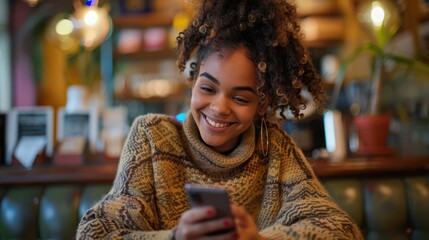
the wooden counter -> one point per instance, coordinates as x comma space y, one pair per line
58, 174
371, 166
106, 172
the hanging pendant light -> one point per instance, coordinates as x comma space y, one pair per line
93, 23
381, 18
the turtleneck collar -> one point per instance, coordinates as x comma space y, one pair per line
210, 160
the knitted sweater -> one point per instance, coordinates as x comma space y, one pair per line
160, 155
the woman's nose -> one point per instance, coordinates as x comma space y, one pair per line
220, 106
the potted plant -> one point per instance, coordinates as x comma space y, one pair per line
382, 18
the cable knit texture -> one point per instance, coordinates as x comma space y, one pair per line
160, 155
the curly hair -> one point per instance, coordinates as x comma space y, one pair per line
269, 30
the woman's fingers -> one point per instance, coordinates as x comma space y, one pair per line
199, 223
211, 228
245, 225
198, 214
242, 218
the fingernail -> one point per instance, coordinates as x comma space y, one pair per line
210, 212
226, 223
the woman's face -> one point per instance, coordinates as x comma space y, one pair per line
224, 100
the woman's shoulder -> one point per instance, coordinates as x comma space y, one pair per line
277, 133
156, 124
151, 120
281, 139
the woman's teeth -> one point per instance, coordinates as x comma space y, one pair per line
216, 124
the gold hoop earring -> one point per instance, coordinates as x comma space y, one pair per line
264, 146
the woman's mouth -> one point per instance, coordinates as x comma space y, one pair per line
215, 124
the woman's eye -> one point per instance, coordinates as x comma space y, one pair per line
207, 89
241, 100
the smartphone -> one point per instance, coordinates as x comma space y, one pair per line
201, 196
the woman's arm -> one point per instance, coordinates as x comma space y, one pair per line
129, 209
305, 210
309, 217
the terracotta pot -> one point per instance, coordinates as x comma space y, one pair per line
373, 131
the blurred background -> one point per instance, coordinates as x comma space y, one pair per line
74, 74
115, 59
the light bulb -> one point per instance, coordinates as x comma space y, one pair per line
90, 17
381, 18
377, 15
93, 25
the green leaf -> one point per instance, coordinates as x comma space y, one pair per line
377, 52
407, 61
344, 65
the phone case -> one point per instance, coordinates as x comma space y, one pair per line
201, 196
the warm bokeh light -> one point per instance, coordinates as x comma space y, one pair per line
381, 19
161, 87
61, 33
155, 88
90, 18
89, 25
93, 25
32, 3
64, 27
377, 14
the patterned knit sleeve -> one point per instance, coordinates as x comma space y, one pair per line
128, 211
306, 211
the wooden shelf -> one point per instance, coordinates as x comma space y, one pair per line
126, 94
371, 166
142, 20
105, 172
146, 55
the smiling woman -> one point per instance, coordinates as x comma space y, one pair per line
250, 67
224, 101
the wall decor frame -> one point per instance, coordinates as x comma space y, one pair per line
29, 122
78, 123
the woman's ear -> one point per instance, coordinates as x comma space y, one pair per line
264, 106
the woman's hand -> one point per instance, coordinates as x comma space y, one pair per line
198, 223
245, 226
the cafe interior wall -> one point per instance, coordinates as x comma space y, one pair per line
41, 72
23, 85
49, 86
50, 89
41, 80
